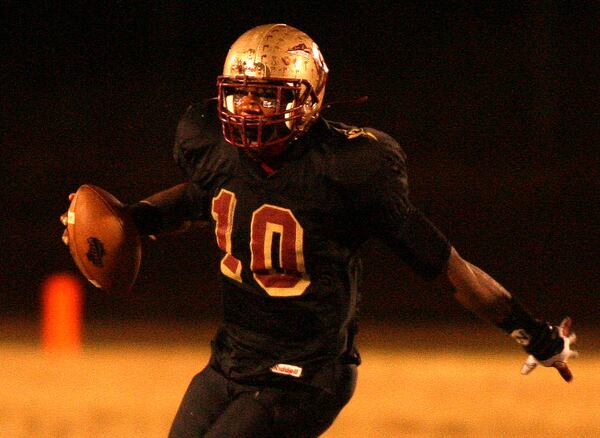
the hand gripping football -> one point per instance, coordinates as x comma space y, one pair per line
103, 239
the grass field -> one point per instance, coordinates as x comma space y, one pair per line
127, 382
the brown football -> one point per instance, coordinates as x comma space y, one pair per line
103, 239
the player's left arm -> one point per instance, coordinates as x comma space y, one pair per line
479, 292
388, 214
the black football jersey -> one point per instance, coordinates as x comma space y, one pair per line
290, 240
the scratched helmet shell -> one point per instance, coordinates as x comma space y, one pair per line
286, 61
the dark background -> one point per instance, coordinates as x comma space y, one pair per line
493, 102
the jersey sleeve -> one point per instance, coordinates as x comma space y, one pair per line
196, 136
381, 205
200, 152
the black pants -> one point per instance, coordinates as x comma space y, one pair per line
214, 406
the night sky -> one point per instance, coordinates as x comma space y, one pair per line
494, 103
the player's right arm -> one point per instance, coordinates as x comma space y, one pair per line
167, 211
175, 208
162, 212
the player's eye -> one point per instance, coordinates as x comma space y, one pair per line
267, 96
268, 102
267, 93
287, 96
237, 98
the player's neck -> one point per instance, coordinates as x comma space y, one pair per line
268, 164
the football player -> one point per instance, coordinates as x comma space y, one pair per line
292, 198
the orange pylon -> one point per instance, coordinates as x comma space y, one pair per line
62, 302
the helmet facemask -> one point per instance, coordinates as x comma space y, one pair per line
285, 101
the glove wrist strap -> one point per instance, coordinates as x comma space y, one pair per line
536, 336
519, 319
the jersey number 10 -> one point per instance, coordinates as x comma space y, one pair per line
276, 247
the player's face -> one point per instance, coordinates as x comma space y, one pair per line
259, 102
255, 102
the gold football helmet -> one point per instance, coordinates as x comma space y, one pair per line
284, 69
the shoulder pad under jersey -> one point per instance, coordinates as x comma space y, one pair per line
363, 153
199, 144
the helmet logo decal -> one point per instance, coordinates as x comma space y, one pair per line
300, 49
322, 69
318, 57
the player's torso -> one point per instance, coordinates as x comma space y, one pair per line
280, 233
289, 258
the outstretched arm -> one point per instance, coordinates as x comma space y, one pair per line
480, 293
477, 291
